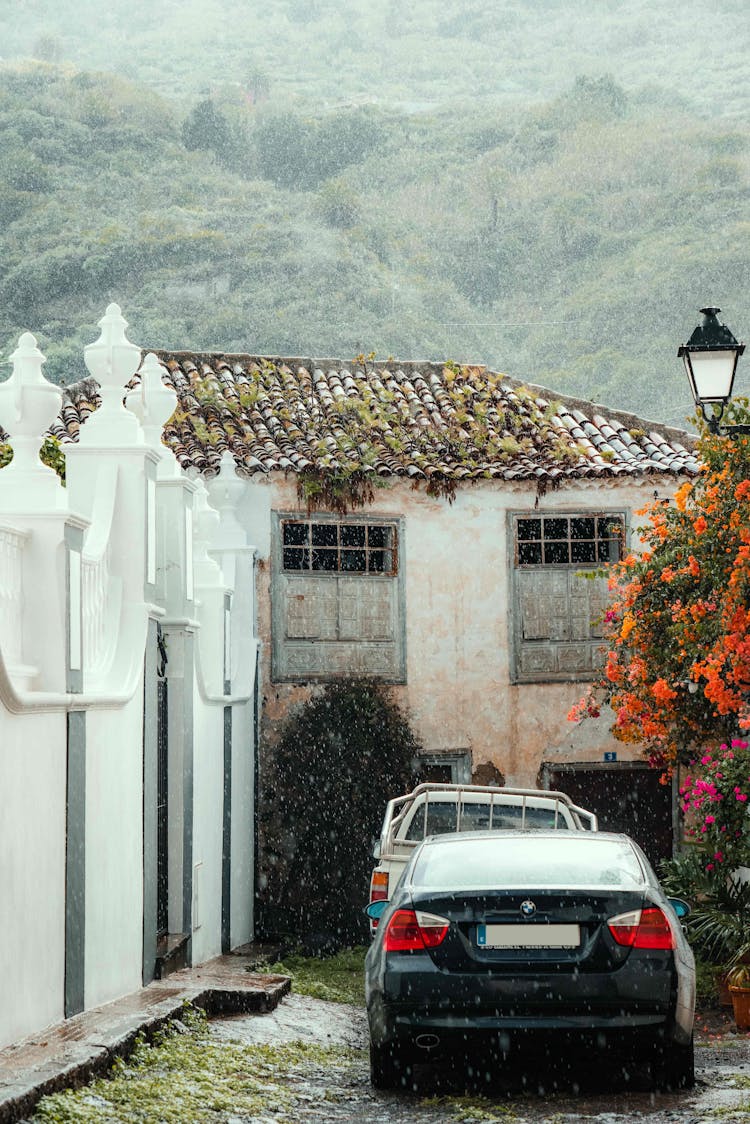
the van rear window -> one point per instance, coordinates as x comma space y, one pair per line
441, 817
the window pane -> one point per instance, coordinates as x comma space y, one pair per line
555, 528
325, 534
379, 536
608, 527
556, 553
582, 528
377, 561
609, 550
325, 560
529, 553
295, 534
352, 535
529, 528
353, 560
583, 552
296, 559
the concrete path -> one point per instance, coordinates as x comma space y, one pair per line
85, 1046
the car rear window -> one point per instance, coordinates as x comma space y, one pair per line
526, 861
442, 815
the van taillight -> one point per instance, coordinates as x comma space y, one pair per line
379, 886
408, 931
642, 928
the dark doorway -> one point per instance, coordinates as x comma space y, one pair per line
440, 774
162, 808
626, 796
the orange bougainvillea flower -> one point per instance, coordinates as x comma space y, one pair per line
682, 494
662, 692
628, 624
676, 666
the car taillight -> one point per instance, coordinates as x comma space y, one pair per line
410, 931
379, 886
642, 928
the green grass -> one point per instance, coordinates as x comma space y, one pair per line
339, 978
471, 1110
185, 1077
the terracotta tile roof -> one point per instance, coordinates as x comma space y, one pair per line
418, 420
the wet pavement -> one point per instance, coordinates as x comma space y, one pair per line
85, 1046
553, 1091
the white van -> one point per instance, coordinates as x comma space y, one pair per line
438, 809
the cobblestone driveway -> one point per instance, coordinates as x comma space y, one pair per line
340, 1090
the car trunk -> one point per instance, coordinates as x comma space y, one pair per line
524, 932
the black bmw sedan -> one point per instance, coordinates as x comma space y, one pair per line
496, 940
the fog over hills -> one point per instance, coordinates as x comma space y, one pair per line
552, 188
411, 55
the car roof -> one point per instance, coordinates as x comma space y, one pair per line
592, 837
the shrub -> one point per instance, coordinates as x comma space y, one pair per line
339, 760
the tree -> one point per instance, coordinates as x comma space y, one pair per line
339, 760
206, 127
677, 673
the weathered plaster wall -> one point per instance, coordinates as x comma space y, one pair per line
114, 852
32, 861
457, 561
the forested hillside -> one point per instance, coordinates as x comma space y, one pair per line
410, 55
568, 242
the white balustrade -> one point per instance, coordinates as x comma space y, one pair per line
29, 403
112, 360
95, 594
12, 543
97, 579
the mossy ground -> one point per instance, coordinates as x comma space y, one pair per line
472, 1110
339, 978
185, 1076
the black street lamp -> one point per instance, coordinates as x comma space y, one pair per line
710, 357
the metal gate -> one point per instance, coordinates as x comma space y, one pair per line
627, 796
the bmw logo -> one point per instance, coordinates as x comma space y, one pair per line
528, 909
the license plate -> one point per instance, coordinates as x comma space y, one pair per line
528, 936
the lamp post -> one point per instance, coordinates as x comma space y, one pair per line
710, 357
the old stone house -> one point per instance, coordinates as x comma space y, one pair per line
431, 525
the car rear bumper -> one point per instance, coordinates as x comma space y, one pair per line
631, 1007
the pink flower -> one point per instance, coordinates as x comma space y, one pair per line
710, 819
719, 856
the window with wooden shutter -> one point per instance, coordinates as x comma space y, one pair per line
558, 606
337, 599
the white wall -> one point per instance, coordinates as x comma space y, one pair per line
208, 796
114, 852
32, 872
243, 825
